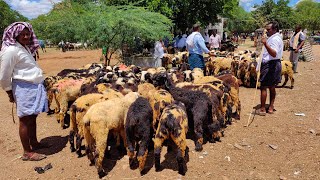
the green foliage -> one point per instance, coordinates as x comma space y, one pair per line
241, 21
274, 10
183, 13
307, 13
102, 25
8, 16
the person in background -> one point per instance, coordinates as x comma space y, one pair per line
206, 39
270, 66
196, 46
215, 41
22, 79
296, 44
182, 43
43, 46
158, 53
224, 36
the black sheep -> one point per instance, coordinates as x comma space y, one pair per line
199, 107
138, 129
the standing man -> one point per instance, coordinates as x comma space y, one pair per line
270, 66
22, 79
215, 41
196, 46
296, 43
158, 53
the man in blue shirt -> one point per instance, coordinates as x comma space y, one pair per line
196, 46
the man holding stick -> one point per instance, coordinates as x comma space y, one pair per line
270, 66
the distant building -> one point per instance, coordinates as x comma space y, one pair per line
217, 26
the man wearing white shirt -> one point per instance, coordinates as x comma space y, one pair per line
22, 79
215, 41
270, 66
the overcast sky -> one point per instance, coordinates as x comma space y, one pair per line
34, 8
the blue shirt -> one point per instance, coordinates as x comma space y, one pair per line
199, 45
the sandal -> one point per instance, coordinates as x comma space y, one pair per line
260, 113
32, 156
271, 112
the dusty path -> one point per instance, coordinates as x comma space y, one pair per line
295, 138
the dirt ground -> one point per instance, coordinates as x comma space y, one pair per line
277, 146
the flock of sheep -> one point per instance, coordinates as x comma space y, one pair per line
144, 108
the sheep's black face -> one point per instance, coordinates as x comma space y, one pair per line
159, 79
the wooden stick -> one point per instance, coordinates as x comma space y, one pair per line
12, 113
258, 77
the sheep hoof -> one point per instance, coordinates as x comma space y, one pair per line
291, 87
158, 169
101, 174
198, 147
133, 163
182, 171
72, 149
143, 172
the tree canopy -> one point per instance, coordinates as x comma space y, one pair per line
307, 13
8, 16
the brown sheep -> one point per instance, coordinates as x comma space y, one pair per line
158, 100
79, 108
173, 125
287, 72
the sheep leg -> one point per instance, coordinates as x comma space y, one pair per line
78, 144
143, 149
130, 147
142, 157
50, 97
101, 145
198, 122
89, 143
291, 80
238, 109
62, 113
182, 145
124, 139
157, 150
71, 141
285, 80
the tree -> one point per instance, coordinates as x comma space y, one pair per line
183, 13
102, 25
8, 16
307, 13
271, 10
241, 21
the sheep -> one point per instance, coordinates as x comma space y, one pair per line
173, 125
79, 108
100, 120
199, 106
287, 72
242, 70
218, 99
220, 64
232, 81
48, 84
138, 131
158, 100
250, 79
65, 91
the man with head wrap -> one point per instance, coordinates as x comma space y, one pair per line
22, 79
